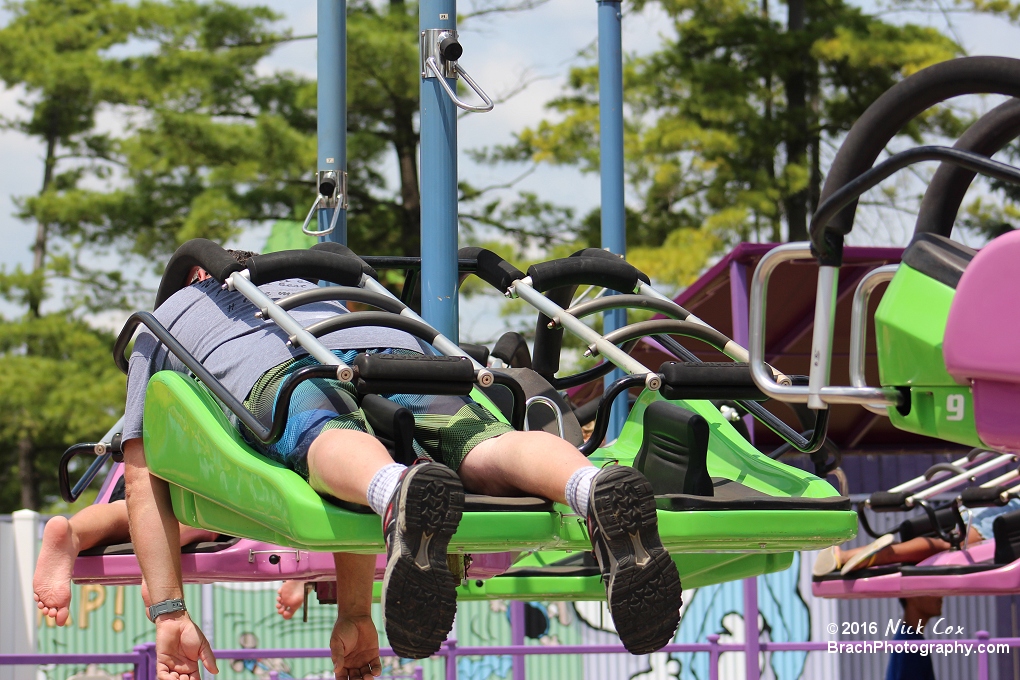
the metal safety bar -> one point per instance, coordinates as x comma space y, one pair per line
859, 327
957, 480
239, 281
817, 394
967, 460
557, 413
522, 289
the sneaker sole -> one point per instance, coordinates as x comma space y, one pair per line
419, 592
643, 588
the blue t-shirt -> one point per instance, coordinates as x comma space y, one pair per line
907, 666
220, 329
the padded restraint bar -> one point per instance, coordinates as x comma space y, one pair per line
340, 249
395, 374
944, 195
492, 268
708, 380
305, 264
890, 113
600, 254
616, 274
198, 252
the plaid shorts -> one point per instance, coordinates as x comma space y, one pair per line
446, 428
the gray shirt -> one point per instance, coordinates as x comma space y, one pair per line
219, 328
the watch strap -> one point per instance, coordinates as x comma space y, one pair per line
166, 607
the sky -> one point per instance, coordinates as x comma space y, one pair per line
540, 44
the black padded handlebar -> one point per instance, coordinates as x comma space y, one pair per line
416, 328
944, 195
885, 501
491, 268
198, 252
826, 237
599, 253
977, 496
395, 374
614, 273
889, 114
341, 249
305, 264
708, 380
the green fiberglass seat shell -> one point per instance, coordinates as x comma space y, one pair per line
220, 484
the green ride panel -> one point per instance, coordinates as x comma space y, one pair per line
910, 324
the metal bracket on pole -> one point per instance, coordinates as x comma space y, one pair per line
440, 51
332, 195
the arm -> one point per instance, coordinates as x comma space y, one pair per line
179, 642
354, 644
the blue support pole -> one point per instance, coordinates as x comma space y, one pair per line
438, 186
332, 105
614, 232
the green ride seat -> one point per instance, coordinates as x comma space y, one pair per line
910, 324
219, 483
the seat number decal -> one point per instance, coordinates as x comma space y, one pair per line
955, 404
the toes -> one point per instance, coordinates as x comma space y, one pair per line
61, 615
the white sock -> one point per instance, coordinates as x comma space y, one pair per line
578, 489
382, 486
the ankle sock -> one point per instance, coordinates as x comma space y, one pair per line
578, 489
382, 486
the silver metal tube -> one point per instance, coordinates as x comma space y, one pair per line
821, 341
523, 289
732, 349
756, 341
859, 327
1002, 479
756, 324
239, 282
553, 406
960, 479
442, 343
920, 480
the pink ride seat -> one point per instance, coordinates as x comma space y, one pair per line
982, 340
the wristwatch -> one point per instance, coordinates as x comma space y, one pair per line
166, 607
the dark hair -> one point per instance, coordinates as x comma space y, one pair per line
903, 602
242, 256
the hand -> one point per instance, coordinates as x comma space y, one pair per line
354, 645
179, 646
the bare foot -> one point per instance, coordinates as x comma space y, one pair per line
52, 581
289, 597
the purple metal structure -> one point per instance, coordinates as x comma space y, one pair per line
144, 658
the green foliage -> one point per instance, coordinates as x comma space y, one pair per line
60, 388
716, 138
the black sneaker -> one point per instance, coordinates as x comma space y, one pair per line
642, 582
419, 592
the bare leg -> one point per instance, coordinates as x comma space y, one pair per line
343, 462
534, 463
289, 597
63, 539
908, 552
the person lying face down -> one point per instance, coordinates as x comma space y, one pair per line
460, 446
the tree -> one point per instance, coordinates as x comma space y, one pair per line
729, 123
